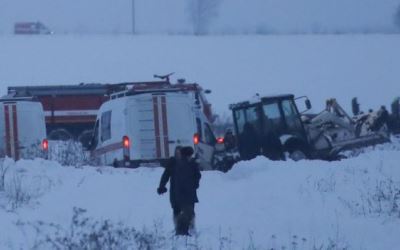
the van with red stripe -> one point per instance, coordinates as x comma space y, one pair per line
22, 129
145, 127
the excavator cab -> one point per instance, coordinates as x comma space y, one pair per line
266, 125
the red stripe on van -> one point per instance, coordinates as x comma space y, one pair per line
156, 126
165, 125
15, 130
7, 126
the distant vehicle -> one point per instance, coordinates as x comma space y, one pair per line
22, 130
31, 28
145, 126
274, 127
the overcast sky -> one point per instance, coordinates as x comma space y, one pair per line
155, 16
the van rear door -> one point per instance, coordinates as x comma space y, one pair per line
9, 131
181, 121
206, 145
145, 119
165, 121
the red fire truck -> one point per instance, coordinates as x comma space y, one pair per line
70, 110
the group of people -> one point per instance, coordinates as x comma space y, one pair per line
183, 173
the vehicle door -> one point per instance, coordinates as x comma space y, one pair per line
293, 122
249, 130
105, 137
206, 146
177, 122
94, 143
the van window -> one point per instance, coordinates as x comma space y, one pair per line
209, 135
272, 119
199, 129
105, 126
253, 118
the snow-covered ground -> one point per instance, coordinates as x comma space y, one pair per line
234, 67
351, 204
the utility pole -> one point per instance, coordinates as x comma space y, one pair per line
133, 18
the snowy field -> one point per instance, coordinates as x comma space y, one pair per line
351, 204
234, 67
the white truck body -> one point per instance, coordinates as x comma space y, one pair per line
147, 127
22, 130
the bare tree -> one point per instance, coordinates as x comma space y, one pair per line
397, 17
202, 12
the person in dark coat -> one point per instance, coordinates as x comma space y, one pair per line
249, 140
229, 140
382, 119
183, 173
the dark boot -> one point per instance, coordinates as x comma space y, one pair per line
185, 219
182, 227
176, 212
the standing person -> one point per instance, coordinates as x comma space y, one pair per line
182, 171
229, 140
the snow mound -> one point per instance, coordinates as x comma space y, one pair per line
354, 203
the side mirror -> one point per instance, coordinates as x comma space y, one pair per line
207, 91
355, 106
308, 104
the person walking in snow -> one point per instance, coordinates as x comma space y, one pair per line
182, 171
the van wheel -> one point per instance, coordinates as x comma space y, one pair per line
297, 155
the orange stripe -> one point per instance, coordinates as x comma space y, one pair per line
15, 130
165, 125
157, 126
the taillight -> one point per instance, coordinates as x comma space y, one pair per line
196, 139
126, 143
45, 144
220, 140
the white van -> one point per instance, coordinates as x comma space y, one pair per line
137, 128
23, 129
